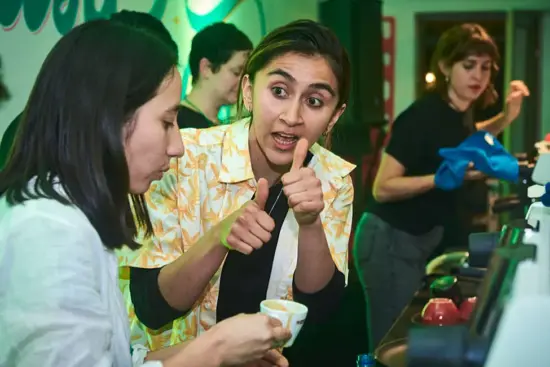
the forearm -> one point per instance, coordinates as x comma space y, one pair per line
205, 351
166, 353
494, 125
399, 188
315, 266
183, 281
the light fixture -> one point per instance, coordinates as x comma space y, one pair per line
430, 78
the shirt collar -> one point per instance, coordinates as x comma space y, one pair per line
236, 165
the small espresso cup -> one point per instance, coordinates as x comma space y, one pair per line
291, 314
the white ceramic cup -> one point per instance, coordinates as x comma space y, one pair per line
291, 314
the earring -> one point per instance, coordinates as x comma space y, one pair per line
446, 78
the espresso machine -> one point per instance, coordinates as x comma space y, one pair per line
510, 325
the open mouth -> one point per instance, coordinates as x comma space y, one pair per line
284, 141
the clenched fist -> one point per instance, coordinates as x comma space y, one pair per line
302, 188
249, 227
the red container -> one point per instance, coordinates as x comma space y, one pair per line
440, 311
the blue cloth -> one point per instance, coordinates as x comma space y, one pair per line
487, 155
545, 198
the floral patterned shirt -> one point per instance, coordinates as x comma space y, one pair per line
213, 179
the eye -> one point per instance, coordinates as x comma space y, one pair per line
168, 124
314, 102
279, 92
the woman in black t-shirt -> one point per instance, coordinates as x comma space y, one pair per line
404, 222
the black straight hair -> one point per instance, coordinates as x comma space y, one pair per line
147, 22
134, 19
79, 113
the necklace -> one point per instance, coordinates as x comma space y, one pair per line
276, 200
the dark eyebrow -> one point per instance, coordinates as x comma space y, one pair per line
323, 86
290, 78
478, 59
282, 73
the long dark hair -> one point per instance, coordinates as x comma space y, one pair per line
73, 127
304, 37
4, 93
147, 22
456, 44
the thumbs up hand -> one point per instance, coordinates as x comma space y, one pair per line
302, 188
261, 193
249, 227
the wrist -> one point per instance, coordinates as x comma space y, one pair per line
215, 239
430, 181
504, 116
314, 224
505, 119
215, 347
204, 351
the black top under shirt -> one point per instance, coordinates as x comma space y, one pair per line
243, 283
418, 134
188, 118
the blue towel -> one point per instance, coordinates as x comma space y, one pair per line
545, 198
487, 155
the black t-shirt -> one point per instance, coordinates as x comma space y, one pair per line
418, 134
188, 118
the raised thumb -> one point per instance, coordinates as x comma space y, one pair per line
262, 193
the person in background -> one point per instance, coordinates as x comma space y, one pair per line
256, 209
405, 221
136, 19
217, 58
98, 128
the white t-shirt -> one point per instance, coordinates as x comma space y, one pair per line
60, 304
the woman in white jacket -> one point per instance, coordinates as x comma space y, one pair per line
100, 124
